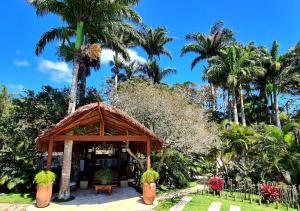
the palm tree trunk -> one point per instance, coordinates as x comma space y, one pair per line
272, 111
276, 106
213, 96
242, 106
64, 191
116, 82
235, 113
82, 84
229, 105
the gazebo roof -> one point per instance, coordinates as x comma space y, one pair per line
102, 122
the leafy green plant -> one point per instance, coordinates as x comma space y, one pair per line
44, 177
103, 175
149, 176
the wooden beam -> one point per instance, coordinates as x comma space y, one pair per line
101, 132
99, 138
49, 156
148, 155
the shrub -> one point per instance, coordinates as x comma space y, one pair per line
269, 192
149, 176
216, 183
103, 174
44, 177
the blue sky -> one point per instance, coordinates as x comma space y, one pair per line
261, 21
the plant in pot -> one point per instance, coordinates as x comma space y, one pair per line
44, 181
149, 187
104, 176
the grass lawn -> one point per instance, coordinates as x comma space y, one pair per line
21, 198
163, 189
202, 203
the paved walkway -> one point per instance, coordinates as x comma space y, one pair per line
234, 208
125, 199
215, 206
181, 193
13, 207
180, 205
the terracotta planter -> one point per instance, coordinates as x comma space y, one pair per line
149, 192
43, 195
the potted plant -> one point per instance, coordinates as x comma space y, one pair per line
44, 181
149, 187
104, 176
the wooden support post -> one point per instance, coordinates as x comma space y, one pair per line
49, 156
148, 155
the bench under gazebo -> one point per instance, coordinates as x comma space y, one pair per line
103, 137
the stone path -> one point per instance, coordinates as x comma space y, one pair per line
234, 208
181, 193
13, 207
122, 199
215, 206
180, 205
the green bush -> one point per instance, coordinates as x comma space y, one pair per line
103, 175
149, 176
44, 177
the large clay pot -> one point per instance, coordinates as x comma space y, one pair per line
43, 195
149, 192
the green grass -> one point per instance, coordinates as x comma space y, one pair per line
21, 198
202, 202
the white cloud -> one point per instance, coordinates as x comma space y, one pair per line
21, 63
107, 56
59, 71
15, 88
20, 52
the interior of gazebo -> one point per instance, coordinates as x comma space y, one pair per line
103, 137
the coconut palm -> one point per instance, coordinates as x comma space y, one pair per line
156, 73
154, 41
207, 46
98, 19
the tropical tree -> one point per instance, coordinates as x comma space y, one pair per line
207, 46
156, 73
99, 19
154, 41
233, 66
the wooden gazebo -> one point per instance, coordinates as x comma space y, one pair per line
98, 123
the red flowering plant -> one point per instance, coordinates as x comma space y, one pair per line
269, 192
216, 184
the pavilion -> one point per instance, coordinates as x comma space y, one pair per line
103, 136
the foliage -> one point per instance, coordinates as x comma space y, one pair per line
149, 176
103, 175
44, 178
181, 125
176, 169
216, 183
269, 192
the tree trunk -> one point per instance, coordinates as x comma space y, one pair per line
272, 111
229, 105
64, 192
235, 113
276, 106
242, 106
162, 158
82, 84
213, 96
116, 81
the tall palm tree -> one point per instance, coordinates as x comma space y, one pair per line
154, 41
98, 18
207, 46
156, 73
232, 67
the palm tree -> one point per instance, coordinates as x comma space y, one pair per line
232, 67
156, 73
98, 19
154, 41
207, 46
